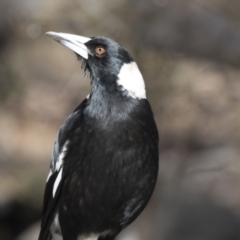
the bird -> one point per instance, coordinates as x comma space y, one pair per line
105, 157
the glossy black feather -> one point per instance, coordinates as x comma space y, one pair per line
111, 163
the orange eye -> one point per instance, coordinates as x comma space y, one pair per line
100, 50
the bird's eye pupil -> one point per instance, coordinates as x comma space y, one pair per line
100, 50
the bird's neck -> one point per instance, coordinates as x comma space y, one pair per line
105, 103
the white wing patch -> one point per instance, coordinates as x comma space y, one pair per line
131, 80
49, 174
57, 181
61, 156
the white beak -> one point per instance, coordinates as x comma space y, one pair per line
74, 42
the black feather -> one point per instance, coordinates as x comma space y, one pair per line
111, 162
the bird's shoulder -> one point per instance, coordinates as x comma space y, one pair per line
71, 125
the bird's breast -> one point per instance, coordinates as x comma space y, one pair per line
103, 158
109, 163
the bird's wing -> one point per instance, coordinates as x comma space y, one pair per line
55, 178
50, 204
53, 188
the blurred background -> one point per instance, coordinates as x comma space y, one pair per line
189, 55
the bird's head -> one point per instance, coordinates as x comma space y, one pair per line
109, 65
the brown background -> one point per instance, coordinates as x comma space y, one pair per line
189, 55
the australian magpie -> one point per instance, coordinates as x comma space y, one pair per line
105, 158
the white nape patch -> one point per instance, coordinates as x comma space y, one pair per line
57, 181
131, 80
49, 174
61, 156
55, 229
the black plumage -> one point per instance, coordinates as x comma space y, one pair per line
105, 159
